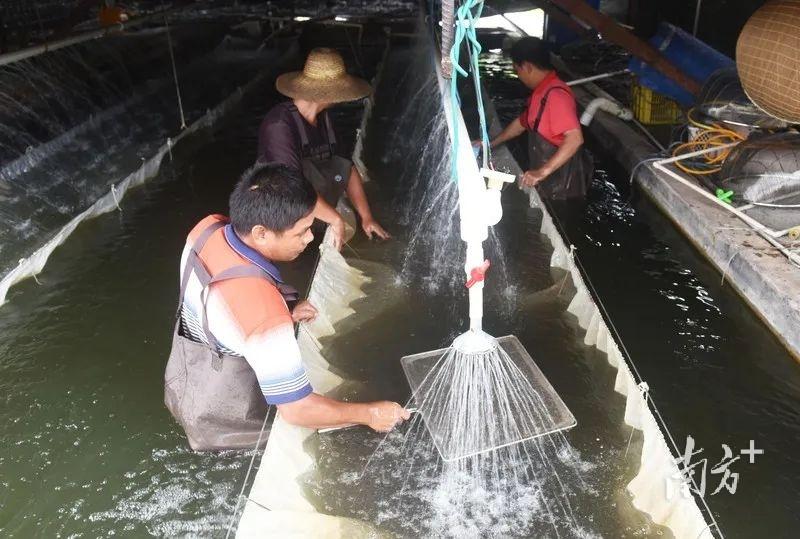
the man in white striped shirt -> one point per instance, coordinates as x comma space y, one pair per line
247, 316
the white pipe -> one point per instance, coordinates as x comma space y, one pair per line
604, 104
697, 17
493, 208
472, 200
474, 259
584, 80
754, 224
29, 52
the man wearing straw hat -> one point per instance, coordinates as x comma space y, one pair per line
299, 134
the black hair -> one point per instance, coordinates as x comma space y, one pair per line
271, 195
533, 50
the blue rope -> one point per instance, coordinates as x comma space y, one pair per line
467, 15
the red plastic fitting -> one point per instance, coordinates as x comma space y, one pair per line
477, 275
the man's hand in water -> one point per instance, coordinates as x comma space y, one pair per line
385, 415
534, 176
337, 231
371, 227
304, 312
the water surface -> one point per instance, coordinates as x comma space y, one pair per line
715, 371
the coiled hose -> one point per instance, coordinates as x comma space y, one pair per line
709, 136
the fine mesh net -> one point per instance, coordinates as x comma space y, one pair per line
477, 402
764, 168
723, 100
766, 54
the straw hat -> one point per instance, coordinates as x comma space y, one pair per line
323, 79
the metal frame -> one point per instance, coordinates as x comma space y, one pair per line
36, 50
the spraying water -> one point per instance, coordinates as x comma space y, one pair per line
517, 491
480, 400
77, 121
474, 400
541, 487
425, 188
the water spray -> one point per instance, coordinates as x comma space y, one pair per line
481, 393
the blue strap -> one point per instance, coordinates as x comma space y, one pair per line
467, 16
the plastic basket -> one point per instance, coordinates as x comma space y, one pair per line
652, 108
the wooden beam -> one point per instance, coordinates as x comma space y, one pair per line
613, 32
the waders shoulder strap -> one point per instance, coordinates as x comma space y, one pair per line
193, 261
194, 264
288, 292
300, 122
331, 133
238, 272
542, 105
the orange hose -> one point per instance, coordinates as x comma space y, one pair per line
710, 136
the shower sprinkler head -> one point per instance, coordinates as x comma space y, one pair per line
474, 342
482, 394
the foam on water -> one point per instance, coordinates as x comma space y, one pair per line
189, 497
517, 491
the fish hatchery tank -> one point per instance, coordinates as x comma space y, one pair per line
570, 484
89, 449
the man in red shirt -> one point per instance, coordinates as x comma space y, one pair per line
559, 166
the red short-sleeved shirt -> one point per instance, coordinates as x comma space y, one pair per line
559, 114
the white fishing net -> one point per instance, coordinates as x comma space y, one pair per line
764, 169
